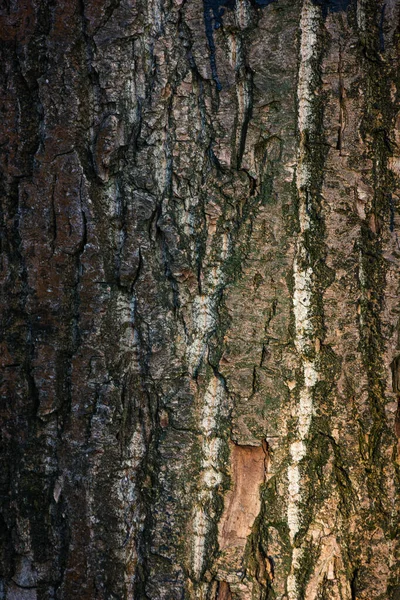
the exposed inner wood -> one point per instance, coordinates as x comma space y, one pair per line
242, 503
224, 591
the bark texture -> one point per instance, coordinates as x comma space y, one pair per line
200, 335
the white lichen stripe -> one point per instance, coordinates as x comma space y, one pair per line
211, 477
212, 403
305, 336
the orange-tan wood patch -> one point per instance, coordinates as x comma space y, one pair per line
242, 503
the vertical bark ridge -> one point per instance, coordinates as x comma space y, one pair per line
307, 286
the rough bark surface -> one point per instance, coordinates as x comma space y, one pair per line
200, 335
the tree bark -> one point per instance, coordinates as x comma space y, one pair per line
200, 339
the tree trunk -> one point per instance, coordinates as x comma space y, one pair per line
200, 300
